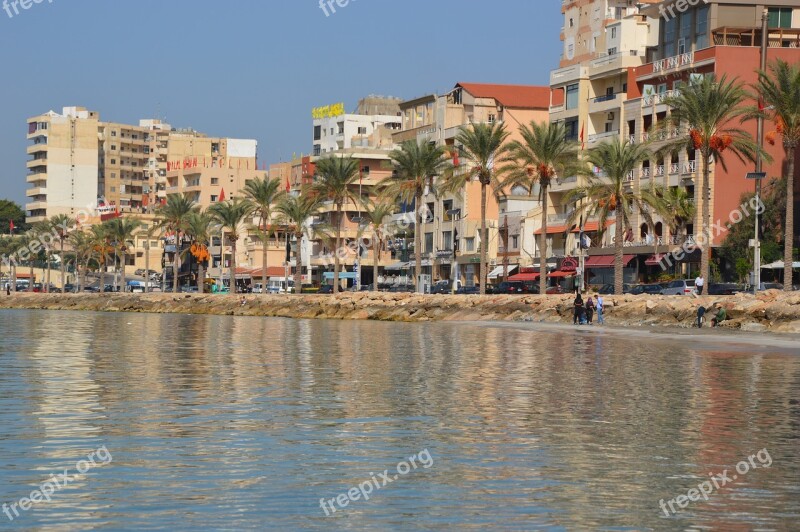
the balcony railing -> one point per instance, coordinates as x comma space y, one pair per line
675, 61
646, 172
659, 98
604, 135
604, 98
631, 176
690, 167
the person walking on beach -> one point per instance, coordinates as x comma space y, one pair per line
598, 305
698, 284
590, 306
578, 305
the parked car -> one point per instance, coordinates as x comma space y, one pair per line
724, 289
512, 287
645, 289
469, 290
444, 287
70, 288
608, 289
188, 289
326, 289
680, 287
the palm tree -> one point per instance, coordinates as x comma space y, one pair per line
780, 91
417, 167
61, 224
482, 145
200, 227
83, 246
121, 231
151, 232
334, 180
709, 107
295, 211
175, 218
264, 194
230, 215
673, 205
609, 194
9, 246
543, 154
98, 236
40, 229
375, 213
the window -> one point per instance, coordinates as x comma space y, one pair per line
113, 161
428, 242
113, 147
447, 240
686, 30
317, 149
215, 181
214, 198
470, 243
614, 32
612, 51
113, 133
365, 171
572, 96
317, 132
113, 189
447, 207
571, 127
571, 22
361, 130
701, 29
669, 37
492, 118
514, 241
779, 17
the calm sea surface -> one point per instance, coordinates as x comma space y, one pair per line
246, 423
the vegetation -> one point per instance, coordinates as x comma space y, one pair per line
264, 194
231, 215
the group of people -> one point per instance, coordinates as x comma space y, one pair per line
584, 311
719, 316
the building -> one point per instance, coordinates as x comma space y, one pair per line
335, 130
451, 240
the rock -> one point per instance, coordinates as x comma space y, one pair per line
753, 327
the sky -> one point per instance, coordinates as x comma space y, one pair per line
253, 68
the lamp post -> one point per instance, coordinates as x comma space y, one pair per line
759, 175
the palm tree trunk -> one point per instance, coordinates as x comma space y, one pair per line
417, 241
49, 258
336, 266
201, 278
30, 267
705, 190
618, 250
176, 263
63, 267
484, 241
788, 246
233, 263
298, 271
376, 257
147, 266
543, 245
264, 260
123, 286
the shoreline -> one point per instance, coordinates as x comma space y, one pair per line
771, 311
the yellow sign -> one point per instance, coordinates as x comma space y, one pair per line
328, 111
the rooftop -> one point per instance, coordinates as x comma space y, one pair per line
518, 96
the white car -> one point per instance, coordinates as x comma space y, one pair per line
681, 287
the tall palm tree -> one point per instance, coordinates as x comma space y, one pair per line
200, 227
334, 182
609, 194
174, 216
121, 232
101, 250
40, 229
482, 145
295, 211
83, 247
673, 204
264, 194
62, 225
417, 168
780, 91
9, 246
152, 231
230, 215
709, 108
543, 154
375, 214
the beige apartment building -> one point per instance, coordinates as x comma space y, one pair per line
451, 240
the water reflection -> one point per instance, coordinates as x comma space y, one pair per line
245, 422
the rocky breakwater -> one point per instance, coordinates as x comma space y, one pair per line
768, 311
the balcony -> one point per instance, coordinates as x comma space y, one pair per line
605, 135
36, 205
36, 191
604, 103
37, 148
567, 74
36, 177
670, 63
609, 63
566, 183
659, 98
34, 163
689, 168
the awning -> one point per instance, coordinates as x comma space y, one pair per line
397, 266
560, 274
552, 230
497, 272
778, 265
342, 275
524, 277
655, 260
606, 261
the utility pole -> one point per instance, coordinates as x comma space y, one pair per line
760, 134
505, 247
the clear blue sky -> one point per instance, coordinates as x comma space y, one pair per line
253, 68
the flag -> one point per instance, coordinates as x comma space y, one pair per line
456, 162
582, 137
761, 105
222, 195
288, 185
11, 226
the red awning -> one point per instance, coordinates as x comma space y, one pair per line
589, 227
655, 260
552, 230
561, 274
607, 261
524, 277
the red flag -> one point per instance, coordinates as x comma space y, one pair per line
222, 195
456, 162
288, 185
761, 105
583, 143
11, 225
